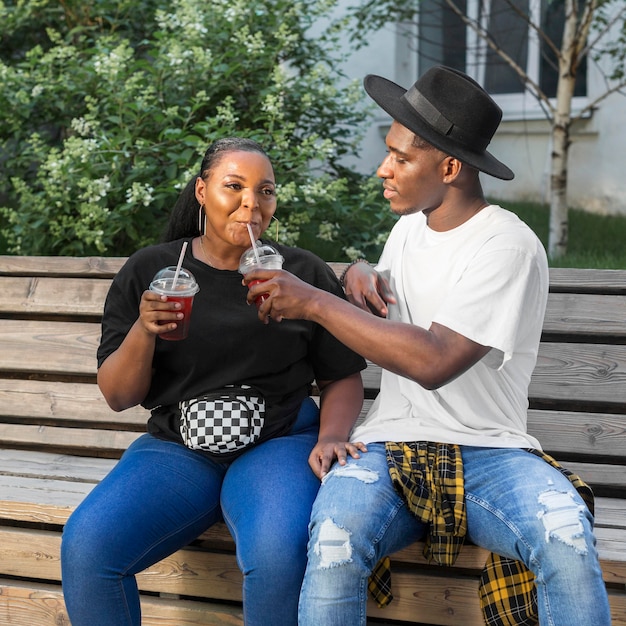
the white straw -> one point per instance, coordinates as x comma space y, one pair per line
180, 263
253, 240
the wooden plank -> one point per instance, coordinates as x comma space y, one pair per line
564, 280
40, 604
35, 554
580, 433
577, 280
64, 403
53, 296
611, 544
561, 279
611, 513
49, 347
431, 601
471, 557
445, 600
19, 511
191, 572
371, 378
29, 464
576, 372
98, 267
571, 372
611, 478
591, 315
74, 440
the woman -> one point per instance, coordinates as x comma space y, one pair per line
162, 494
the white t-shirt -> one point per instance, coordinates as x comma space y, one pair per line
488, 281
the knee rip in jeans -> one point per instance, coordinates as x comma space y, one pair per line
333, 546
562, 519
363, 474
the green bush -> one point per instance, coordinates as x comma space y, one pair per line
108, 107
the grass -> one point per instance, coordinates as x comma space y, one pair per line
595, 241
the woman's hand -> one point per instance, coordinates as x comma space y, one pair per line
325, 452
125, 376
157, 314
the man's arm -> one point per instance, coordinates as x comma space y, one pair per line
431, 357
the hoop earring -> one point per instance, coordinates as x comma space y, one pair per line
277, 223
201, 221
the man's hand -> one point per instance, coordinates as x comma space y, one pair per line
368, 289
288, 296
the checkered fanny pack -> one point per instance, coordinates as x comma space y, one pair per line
223, 421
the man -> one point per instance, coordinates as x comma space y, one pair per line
460, 291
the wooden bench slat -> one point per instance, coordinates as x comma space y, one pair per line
577, 372
448, 601
74, 440
99, 267
600, 372
597, 475
611, 544
566, 280
36, 554
39, 464
52, 501
570, 432
67, 348
64, 402
39, 604
590, 315
35, 295
584, 280
36, 513
611, 513
574, 372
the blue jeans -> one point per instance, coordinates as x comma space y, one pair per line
161, 495
517, 506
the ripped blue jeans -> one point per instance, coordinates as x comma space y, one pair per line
517, 506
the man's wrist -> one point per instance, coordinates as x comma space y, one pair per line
342, 278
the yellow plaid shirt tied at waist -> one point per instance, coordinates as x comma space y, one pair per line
429, 477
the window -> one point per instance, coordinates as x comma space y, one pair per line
443, 38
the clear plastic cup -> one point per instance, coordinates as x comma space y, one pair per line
268, 259
184, 291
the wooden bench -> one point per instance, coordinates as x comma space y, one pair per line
58, 438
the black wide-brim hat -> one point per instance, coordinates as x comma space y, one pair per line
449, 110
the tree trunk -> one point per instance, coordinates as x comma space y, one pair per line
559, 220
561, 126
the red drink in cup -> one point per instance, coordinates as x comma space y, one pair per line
262, 257
183, 291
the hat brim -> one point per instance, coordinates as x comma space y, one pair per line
388, 96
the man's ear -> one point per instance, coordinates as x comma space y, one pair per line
451, 169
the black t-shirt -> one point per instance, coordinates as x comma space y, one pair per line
227, 343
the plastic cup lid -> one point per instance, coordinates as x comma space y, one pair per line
186, 284
268, 255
